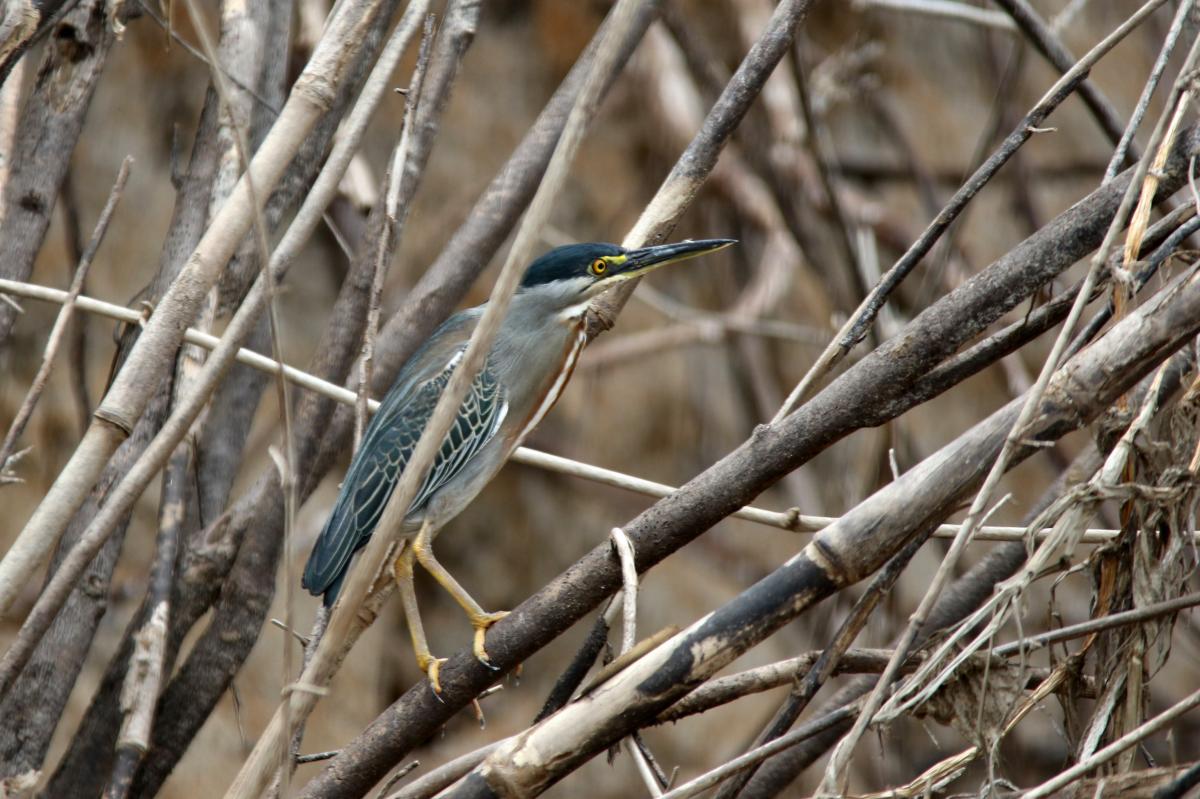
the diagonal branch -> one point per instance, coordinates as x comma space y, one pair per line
313, 93
869, 393
63, 320
860, 321
839, 556
254, 774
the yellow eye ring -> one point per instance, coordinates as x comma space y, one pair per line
598, 267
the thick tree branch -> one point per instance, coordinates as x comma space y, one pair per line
868, 393
313, 94
841, 555
48, 128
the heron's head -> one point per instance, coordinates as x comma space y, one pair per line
570, 276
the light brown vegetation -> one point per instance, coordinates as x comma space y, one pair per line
918, 192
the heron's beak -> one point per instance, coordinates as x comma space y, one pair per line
639, 262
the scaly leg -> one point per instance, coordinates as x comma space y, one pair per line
402, 569
422, 548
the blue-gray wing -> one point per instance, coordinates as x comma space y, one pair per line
386, 448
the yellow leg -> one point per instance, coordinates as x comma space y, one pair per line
481, 620
402, 569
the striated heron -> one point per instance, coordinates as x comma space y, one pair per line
530, 361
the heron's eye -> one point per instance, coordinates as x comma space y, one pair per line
598, 267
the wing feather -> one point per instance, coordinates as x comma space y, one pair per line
387, 446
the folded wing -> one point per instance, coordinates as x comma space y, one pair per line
386, 448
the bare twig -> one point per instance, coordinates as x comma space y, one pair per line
214, 65
286, 456
878, 528
791, 520
208, 554
47, 131
319, 671
150, 661
103, 433
394, 215
240, 610
824, 667
1135, 736
629, 592
940, 774
42, 703
860, 321
392, 221
1135, 616
1051, 47
629, 588
835, 774
723, 690
944, 9
761, 753
130, 390
444, 775
77, 343
853, 400
63, 321
398, 775
1160, 65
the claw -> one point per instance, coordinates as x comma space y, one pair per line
481, 625
431, 666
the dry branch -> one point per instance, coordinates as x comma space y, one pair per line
239, 613
312, 95
216, 548
773, 190
959, 600
208, 554
860, 321
326, 658
836, 772
1052, 48
62, 652
491, 220
940, 379
840, 555
131, 486
48, 128
869, 393
944, 9
243, 32
63, 321
825, 665
1067, 776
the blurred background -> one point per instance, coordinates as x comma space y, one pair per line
902, 106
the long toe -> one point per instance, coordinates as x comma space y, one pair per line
432, 667
481, 625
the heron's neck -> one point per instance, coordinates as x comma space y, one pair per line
538, 341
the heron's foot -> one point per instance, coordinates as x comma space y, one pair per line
431, 665
481, 623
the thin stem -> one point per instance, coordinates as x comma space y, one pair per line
1133, 737
252, 777
791, 520
1143, 104
946, 10
63, 321
861, 320
153, 354
244, 321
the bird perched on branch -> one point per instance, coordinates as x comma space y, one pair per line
531, 359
